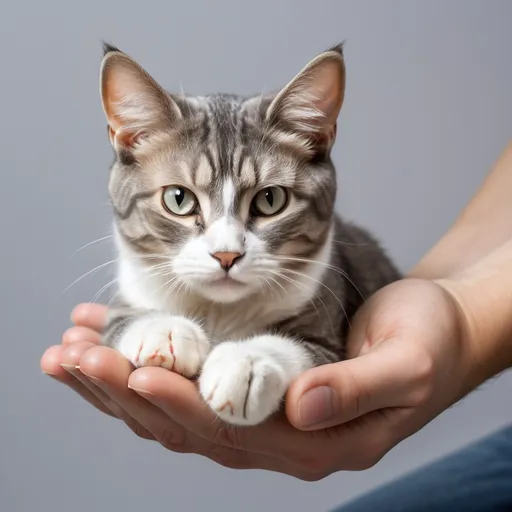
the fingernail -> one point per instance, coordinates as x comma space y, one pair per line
315, 406
71, 368
78, 371
94, 380
141, 392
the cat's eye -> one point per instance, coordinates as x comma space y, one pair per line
270, 201
179, 200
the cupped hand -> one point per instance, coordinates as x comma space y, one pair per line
409, 361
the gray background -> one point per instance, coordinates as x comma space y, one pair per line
427, 112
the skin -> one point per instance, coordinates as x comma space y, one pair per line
416, 347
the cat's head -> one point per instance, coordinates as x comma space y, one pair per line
222, 194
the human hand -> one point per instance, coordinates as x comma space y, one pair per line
410, 360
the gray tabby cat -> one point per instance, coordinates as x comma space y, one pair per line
233, 266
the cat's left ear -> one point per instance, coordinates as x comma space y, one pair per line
308, 107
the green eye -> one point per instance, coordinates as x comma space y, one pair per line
270, 201
179, 200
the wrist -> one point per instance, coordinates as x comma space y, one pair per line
486, 339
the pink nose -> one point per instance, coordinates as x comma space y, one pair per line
226, 259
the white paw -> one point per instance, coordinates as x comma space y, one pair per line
172, 342
242, 384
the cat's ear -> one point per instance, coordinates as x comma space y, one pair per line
309, 105
134, 104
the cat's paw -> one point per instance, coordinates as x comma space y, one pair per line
242, 383
172, 342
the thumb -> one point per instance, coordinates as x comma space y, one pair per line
386, 376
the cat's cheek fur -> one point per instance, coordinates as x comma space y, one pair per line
172, 342
245, 382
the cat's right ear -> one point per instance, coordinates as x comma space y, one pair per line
134, 104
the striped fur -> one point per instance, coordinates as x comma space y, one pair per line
304, 271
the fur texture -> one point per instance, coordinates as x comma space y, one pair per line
234, 267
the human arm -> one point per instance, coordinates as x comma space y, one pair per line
482, 226
483, 293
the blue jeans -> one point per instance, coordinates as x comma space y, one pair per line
476, 479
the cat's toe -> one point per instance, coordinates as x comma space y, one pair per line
156, 350
171, 342
242, 388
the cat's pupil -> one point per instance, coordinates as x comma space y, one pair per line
270, 197
179, 196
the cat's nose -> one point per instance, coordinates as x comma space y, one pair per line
227, 259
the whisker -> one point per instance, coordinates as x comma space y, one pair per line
95, 269
279, 284
296, 283
327, 265
350, 244
168, 283
101, 290
157, 267
325, 286
89, 244
112, 298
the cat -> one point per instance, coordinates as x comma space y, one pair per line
233, 266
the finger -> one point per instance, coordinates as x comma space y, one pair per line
276, 445
70, 362
179, 398
355, 445
110, 371
76, 354
389, 375
93, 316
154, 384
78, 334
51, 365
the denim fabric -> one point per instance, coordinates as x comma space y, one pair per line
477, 478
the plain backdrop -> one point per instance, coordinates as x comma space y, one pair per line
426, 114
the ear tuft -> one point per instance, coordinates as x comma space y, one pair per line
108, 48
337, 48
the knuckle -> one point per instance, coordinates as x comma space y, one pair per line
139, 430
170, 440
421, 395
227, 457
423, 387
356, 394
425, 368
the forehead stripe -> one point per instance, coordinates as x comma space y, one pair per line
228, 195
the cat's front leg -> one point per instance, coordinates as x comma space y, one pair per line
244, 382
150, 338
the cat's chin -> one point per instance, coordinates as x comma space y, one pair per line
225, 290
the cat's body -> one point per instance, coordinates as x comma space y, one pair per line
233, 264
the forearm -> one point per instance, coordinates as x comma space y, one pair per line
483, 293
484, 225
